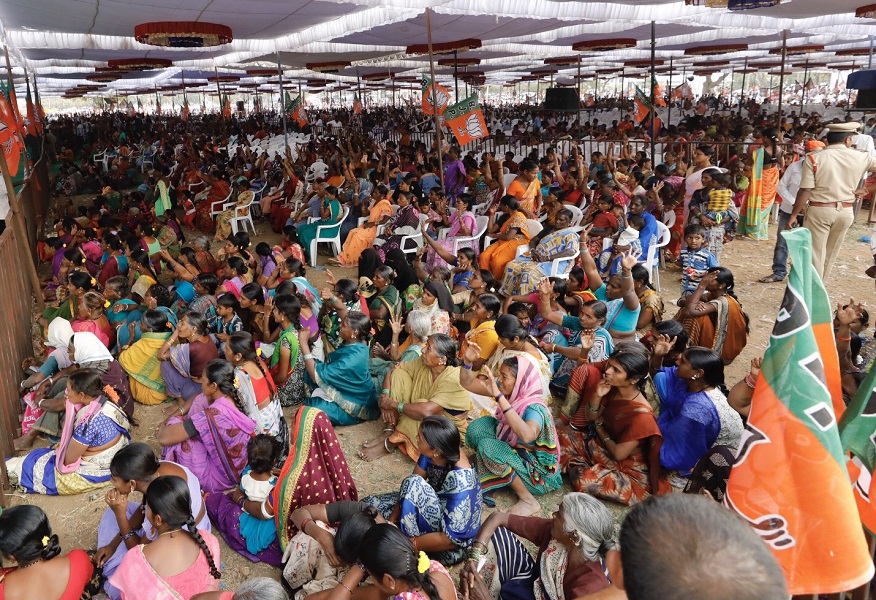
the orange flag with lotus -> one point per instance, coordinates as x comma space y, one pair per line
790, 481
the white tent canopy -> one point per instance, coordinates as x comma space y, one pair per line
63, 42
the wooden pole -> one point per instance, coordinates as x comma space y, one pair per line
282, 101
654, 131
15, 210
742, 91
782, 78
434, 97
671, 99
580, 85
805, 85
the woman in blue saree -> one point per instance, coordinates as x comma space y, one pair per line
330, 214
439, 505
342, 386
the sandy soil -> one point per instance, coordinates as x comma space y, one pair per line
75, 518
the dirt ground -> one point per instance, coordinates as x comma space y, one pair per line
75, 518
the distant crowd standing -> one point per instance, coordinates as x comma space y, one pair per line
502, 326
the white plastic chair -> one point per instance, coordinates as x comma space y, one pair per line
472, 240
243, 215
328, 234
507, 179
652, 261
225, 204
577, 214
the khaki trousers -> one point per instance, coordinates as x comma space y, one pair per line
828, 227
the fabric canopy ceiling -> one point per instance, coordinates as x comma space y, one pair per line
63, 42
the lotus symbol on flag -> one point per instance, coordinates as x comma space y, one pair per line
473, 125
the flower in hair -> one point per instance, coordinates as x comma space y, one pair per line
106, 303
236, 383
258, 351
63, 245
110, 392
423, 562
45, 541
93, 281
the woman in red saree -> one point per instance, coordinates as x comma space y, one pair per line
611, 447
314, 473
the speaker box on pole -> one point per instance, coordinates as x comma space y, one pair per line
865, 82
561, 99
240, 107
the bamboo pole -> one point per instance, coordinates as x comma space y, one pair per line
282, 102
15, 209
435, 114
654, 131
782, 78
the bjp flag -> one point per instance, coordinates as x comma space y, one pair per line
857, 429
790, 481
31, 123
226, 107
466, 120
10, 137
357, 104
441, 98
184, 111
659, 100
643, 106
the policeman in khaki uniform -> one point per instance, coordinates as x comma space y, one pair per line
829, 184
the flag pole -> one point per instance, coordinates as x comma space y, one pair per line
435, 114
282, 101
782, 78
15, 208
671, 98
653, 104
805, 85
742, 91
455, 76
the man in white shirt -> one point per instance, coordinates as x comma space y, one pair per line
789, 185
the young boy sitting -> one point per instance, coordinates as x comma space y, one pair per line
695, 260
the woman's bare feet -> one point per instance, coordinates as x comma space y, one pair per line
378, 441
25, 441
526, 508
377, 451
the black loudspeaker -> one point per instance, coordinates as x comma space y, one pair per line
866, 99
561, 99
865, 82
240, 106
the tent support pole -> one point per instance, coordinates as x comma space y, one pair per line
435, 114
870, 58
782, 78
455, 75
579, 92
654, 131
18, 216
742, 91
671, 99
282, 101
805, 85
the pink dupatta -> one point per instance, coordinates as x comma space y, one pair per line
67, 433
527, 391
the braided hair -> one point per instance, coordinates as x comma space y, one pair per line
168, 497
390, 552
243, 343
221, 372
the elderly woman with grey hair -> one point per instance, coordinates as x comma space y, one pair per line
418, 327
205, 259
260, 588
572, 546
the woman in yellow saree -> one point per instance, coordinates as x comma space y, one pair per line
140, 360
426, 386
755, 211
511, 234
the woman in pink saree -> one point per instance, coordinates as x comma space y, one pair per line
462, 224
210, 436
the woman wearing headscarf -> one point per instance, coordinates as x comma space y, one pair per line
436, 302
518, 446
57, 340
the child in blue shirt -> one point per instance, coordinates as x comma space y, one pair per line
695, 260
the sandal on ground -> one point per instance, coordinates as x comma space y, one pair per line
771, 279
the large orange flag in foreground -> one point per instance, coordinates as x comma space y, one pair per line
790, 480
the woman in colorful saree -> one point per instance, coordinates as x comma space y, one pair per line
256, 389
517, 447
570, 563
611, 446
330, 214
238, 209
509, 235
40, 571
439, 506
210, 437
426, 386
755, 211
140, 360
153, 571
124, 524
718, 322
94, 430
405, 222
342, 386
522, 274
315, 471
